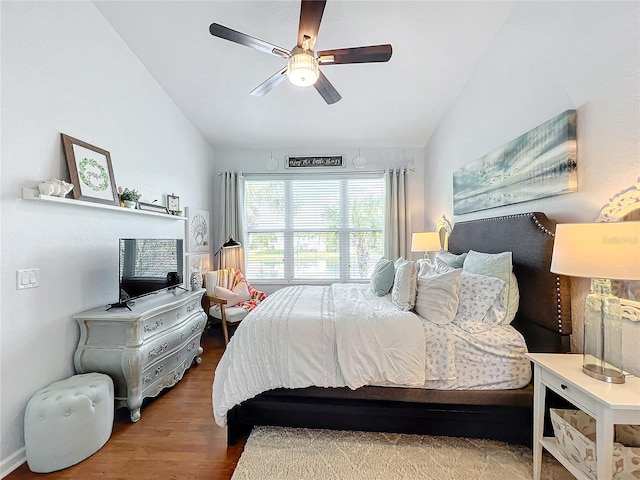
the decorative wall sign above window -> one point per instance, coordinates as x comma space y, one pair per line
319, 161
540, 163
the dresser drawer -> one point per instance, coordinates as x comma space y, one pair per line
167, 371
171, 339
163, 321
569, 392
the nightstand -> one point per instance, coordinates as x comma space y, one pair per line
608, 404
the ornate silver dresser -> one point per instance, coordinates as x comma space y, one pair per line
143, 350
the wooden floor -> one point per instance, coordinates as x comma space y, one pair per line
175, 438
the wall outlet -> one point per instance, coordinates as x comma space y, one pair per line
29, 278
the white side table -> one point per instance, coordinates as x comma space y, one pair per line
608, 404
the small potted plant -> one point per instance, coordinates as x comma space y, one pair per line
129, 198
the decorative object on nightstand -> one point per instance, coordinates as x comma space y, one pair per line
425, 242
600, 251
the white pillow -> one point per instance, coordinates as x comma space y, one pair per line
497, 265
239, 294
481, 303
437, 296
403, 293
423, 267
513, 300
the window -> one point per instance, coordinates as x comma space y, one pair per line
313, 229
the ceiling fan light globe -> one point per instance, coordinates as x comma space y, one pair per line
303, 69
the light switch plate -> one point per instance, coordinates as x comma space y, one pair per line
28, 278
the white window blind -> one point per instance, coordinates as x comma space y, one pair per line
313, 229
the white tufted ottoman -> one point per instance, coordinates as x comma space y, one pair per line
68, 421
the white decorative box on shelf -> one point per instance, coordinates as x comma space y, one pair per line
33, 194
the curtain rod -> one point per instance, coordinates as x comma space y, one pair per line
346, 172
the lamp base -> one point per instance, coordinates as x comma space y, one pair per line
604, 374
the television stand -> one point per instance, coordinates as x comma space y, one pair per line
144, 349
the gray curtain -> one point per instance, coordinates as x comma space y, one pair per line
397, 219
231, 221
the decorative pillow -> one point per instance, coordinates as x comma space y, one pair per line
497, 265
239, 294
481, 303
451, 259
513, 300
441, 267
403, 293
423, 267
437, 296
399, 262
382, 277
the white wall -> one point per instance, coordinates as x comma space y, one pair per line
378, 159
64, 69
550, 57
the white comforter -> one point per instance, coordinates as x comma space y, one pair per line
328, 336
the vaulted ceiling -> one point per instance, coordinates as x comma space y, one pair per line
436, 46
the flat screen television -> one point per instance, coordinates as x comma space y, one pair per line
149, 265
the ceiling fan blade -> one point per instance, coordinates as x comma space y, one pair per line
310, 16
227, 33
370, 54
270, 83
328, 91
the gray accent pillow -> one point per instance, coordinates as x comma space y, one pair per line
454, 261
382, 277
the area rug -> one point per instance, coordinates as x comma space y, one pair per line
276, 453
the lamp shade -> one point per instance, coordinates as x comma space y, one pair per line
425, 242
597, 250
231, 243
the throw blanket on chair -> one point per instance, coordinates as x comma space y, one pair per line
229, 278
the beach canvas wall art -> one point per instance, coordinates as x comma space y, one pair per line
540, 163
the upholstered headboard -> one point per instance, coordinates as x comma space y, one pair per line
544, 315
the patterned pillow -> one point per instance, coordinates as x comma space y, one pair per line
382, 277
481, 304
497, 265
437, 296
403, 293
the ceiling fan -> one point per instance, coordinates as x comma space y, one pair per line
302, 67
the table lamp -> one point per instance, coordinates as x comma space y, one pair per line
600, 251
425, 242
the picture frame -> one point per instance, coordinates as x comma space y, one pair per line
314, 161
152, 207
91, 171
198, 262
197, 234
173, 204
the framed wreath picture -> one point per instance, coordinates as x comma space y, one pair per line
91, 171
197, 230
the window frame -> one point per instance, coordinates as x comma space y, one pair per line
342, 231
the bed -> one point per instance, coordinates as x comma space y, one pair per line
543, 320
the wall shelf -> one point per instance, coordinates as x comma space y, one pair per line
33, 194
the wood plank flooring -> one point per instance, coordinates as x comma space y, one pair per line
175, 438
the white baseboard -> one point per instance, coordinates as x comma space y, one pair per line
12, 462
